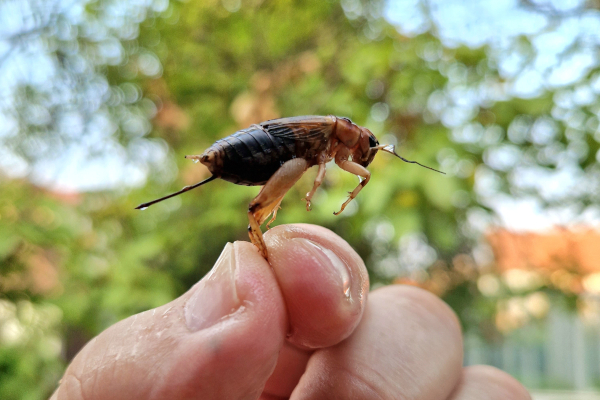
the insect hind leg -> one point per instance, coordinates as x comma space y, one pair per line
274, 214
255, 234
270, 196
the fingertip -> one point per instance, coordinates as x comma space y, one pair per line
323, 281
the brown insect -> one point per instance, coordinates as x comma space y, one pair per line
276, 153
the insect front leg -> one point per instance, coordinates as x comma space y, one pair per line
355, 169
270, 197
318, 180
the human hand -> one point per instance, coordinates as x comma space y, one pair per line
301, 328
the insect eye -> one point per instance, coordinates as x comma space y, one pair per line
373, 142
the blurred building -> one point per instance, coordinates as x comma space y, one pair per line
562, 349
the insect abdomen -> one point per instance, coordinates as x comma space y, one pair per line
251, 156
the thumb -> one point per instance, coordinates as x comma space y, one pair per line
220, 340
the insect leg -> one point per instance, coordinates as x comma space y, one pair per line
256, 236
355, 169
270, 196
318, 180
274, 213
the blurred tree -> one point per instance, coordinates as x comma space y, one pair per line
529, 108
70, 72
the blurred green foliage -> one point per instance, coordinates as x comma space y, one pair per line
71, 265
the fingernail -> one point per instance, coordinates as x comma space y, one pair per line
215, 296
331, 261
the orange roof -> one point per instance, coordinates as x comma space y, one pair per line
561, 248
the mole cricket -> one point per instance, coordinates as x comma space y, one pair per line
276, 153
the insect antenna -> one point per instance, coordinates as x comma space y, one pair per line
390, 148
143, 206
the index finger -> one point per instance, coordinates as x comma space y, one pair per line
324, 284
323, 280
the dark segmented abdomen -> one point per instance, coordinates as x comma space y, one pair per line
251, 156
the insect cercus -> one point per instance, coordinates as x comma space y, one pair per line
276, 153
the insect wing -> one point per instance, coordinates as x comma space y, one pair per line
307, 128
